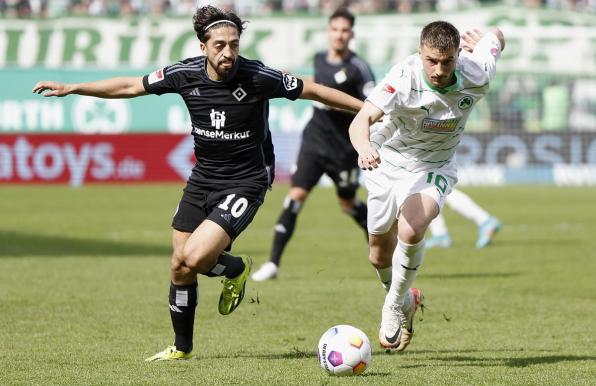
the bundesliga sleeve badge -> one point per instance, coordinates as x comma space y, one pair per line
155, 76
387, 92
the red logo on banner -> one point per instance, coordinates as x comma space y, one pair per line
78, 159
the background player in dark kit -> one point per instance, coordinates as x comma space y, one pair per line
326, 146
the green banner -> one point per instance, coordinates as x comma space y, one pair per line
546, 40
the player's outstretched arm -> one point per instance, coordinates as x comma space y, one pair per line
368, 157
329, 96
122, 87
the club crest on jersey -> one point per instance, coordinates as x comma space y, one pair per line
239, 93
155, 76
465, 102
290, 82
218, 119
340, 76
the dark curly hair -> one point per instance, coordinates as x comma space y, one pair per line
204, 16
343, 13
440, 35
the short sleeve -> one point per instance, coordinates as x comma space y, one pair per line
390, 90
161, 81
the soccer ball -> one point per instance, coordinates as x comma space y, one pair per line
344, 350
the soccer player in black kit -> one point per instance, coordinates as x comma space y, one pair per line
326, 146
227, 99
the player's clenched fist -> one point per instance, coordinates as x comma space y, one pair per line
47, 89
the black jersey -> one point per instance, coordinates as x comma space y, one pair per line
230, 126
328, 129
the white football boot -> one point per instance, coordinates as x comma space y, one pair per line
267, 271
397, 323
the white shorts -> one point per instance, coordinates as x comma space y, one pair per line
388, 188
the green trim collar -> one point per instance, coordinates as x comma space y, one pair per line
454, 87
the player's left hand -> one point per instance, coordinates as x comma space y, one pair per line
469, 39
48, 88
368, 158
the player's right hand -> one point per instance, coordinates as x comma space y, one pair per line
368, 158
48, 89
469, 39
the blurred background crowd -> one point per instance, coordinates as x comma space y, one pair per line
57, 8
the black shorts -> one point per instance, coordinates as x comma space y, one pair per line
341, 168
231, 208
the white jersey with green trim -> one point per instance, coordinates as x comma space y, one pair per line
423, 124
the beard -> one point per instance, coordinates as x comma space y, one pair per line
339, 47
223, 72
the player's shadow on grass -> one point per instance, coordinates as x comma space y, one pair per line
294, 354
512, 362
470, 275
34, 245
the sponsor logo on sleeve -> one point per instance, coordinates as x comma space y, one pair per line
290, 82
387, 92
155, 76
368, 88
389, 89
495, 48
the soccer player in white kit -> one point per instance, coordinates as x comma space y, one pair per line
409, 162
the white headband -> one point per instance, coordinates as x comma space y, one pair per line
218, 22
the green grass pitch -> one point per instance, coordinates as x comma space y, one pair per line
84, 276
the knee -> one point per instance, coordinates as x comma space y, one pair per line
347, 205
177, 261
411, 233
377, 260
193, 258
298, 195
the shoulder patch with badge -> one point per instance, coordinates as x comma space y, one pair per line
290, 82
155, 76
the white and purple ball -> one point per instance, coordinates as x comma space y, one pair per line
344, 350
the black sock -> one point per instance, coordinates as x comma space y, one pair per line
284, 229
227, 265
358, 213
183, 301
